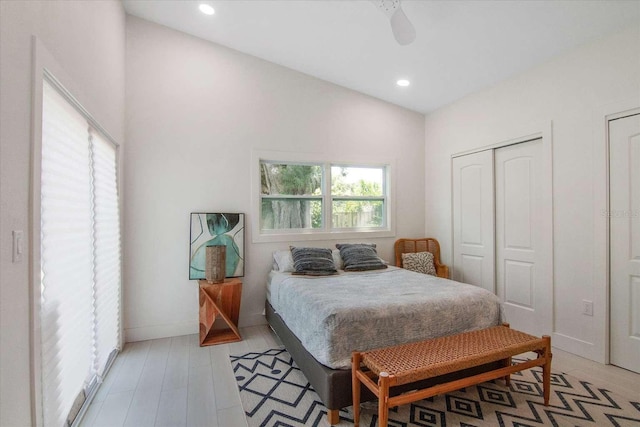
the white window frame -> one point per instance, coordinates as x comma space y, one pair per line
327, 232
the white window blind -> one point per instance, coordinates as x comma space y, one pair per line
80, 257
106, 251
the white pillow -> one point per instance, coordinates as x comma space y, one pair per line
284, 261
337, 259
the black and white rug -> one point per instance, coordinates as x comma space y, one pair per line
274, 392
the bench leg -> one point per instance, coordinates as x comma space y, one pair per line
333, 416
355, 386
506, 364
546, 369
383, 399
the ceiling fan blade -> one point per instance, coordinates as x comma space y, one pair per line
402, 28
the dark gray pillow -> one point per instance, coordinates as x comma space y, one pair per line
360, 257
313, 261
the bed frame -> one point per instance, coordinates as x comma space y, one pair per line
334, 385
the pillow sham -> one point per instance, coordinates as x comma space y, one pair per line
283, 261
313, 261
360, 257
337, 259
422, 262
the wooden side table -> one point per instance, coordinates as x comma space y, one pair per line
219, 300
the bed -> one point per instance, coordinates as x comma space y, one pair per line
321, 320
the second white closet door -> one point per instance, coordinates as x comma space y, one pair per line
522, 273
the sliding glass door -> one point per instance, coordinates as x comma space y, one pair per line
80, 255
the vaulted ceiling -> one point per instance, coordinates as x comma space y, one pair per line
460, 46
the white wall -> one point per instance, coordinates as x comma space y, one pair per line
87, 40
575, 91
195, 111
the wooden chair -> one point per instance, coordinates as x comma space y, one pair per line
427, 244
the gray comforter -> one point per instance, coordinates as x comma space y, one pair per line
333, 316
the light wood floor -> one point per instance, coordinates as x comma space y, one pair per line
174, 382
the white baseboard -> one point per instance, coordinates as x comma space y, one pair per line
252, 320
166, 330
573, 345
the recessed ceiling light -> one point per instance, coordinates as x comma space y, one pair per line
403, 82
207, 9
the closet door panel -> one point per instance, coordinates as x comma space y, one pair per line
521, 258
624, 226
473, 220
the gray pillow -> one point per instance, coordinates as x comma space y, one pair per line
360, 257
313, 261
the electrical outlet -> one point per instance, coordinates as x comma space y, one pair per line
587, 307
18, 246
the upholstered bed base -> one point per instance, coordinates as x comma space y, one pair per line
334, 385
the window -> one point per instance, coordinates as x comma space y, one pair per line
317, 198
79, 256
291, 196
357, 197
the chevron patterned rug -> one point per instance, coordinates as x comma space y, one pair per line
274, 392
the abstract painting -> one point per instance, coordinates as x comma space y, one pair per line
208, 229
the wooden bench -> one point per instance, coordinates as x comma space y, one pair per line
407, 363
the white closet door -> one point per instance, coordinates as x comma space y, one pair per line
473, 220
624, 223
523, 276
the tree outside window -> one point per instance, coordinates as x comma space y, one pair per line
292, 196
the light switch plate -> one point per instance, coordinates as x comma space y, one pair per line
18, 245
